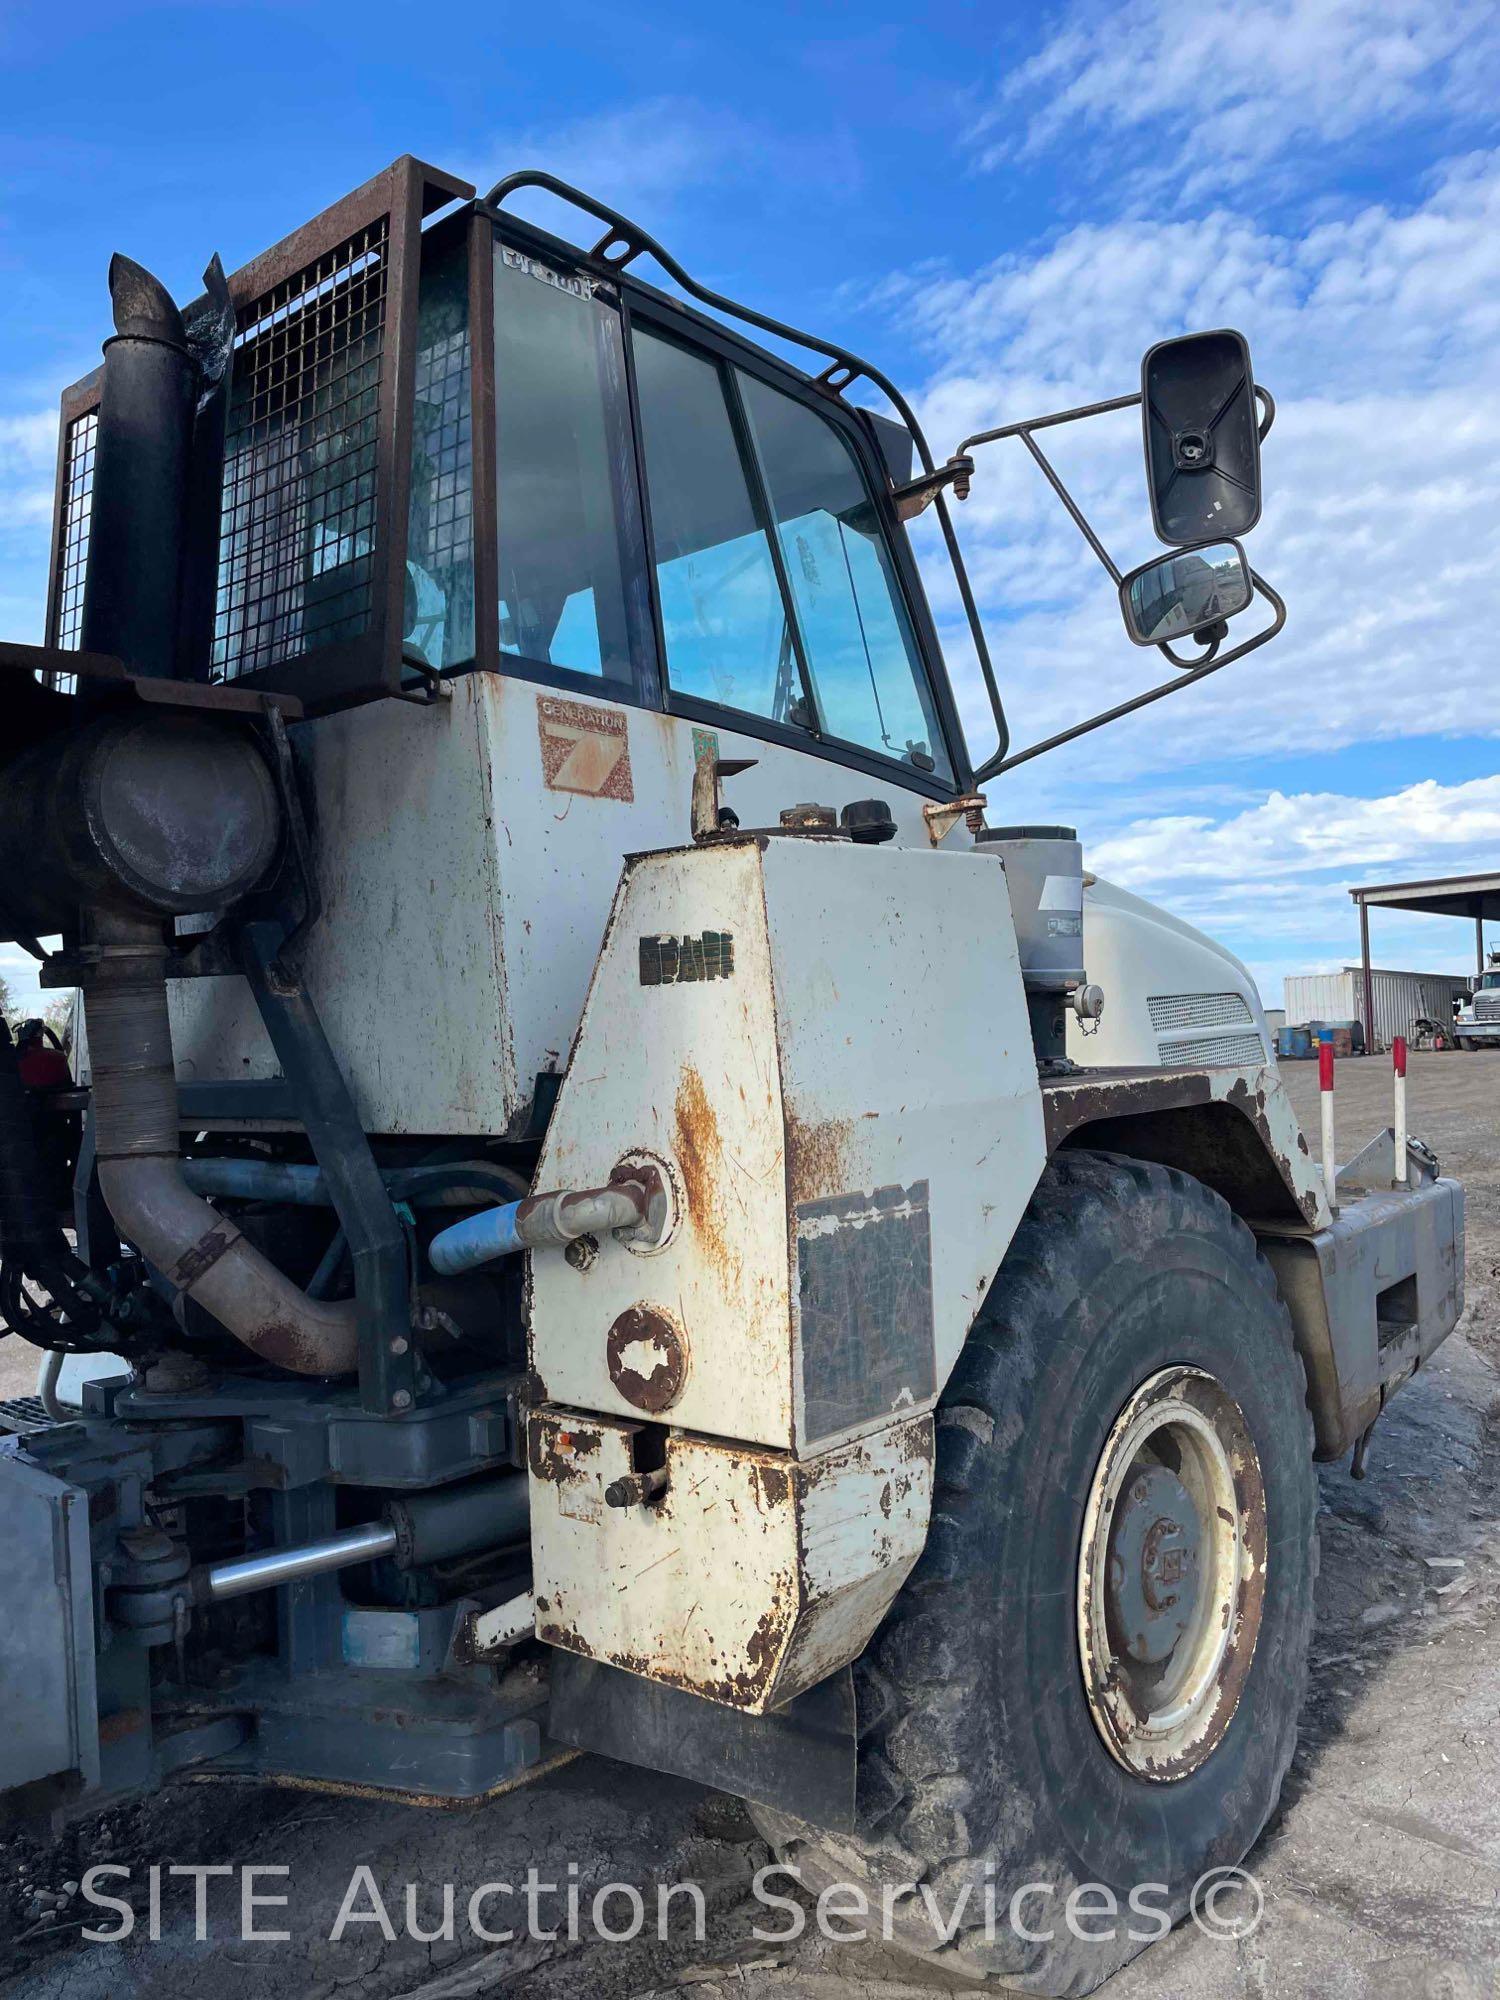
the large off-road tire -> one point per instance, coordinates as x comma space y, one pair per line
1130, 1294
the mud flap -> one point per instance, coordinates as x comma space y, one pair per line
799, 1759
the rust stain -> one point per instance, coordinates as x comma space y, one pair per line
775, 1483
553, 1452
641, 1333
124, 1722
816, 1156
699, 1148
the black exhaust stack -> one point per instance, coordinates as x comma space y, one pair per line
142, 453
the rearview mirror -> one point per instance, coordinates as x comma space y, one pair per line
1191, 590
1202, 436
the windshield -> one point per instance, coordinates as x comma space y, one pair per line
778, 595
664, 521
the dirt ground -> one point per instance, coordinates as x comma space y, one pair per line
1380, 1873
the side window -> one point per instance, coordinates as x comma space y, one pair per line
861, 655
439, 620
565, 497
727, 635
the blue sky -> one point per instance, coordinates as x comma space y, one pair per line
1002, 206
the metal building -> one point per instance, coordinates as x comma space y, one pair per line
1399, 997
1473, 897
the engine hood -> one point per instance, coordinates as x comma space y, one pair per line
1171, 994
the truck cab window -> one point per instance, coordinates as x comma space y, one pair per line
861, 654
725, 626
564, 474
438, 626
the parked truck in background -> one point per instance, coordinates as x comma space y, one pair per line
637, 1218
1476, 1022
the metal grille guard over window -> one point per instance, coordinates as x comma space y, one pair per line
317, 435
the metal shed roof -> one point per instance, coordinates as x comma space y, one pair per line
1476, 897
1446, 896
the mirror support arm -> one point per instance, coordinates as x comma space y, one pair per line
1002, 762
1074, 510
962, 458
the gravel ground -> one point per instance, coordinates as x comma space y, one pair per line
1380, 1873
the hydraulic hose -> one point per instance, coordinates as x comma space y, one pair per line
202, 1254
453, 1184
543, 1221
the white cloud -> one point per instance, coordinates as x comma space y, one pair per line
1382, 475
1208, 96
1424, 827
28, 450
1273, 879
642, 159
1377, 330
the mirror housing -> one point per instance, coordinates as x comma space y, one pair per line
1192, 592
1202, 437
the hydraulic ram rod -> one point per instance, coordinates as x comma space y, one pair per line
420, 1528
238, 1579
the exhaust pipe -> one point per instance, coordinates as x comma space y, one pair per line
202, 1254
153, 818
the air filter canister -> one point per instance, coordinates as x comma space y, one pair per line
1044, 867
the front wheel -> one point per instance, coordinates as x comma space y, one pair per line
1086, 1696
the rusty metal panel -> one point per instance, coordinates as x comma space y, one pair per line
684, 1075
1233, 1129
465, 902
898, 1070
837, 1142
408, 952
864, 1306
1371, 1295
749, 1580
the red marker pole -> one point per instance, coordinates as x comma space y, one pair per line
1325, 1098
1398, 1064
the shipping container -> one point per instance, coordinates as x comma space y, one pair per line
1399, 998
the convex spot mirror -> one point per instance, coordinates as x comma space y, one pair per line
1202, 436
1191, 590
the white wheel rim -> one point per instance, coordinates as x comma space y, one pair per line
1179, 1448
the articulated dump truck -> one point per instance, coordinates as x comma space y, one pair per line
605, 1205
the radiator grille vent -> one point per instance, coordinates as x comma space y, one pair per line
1212, 1049
1198, 1010
71, 558
298, 530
